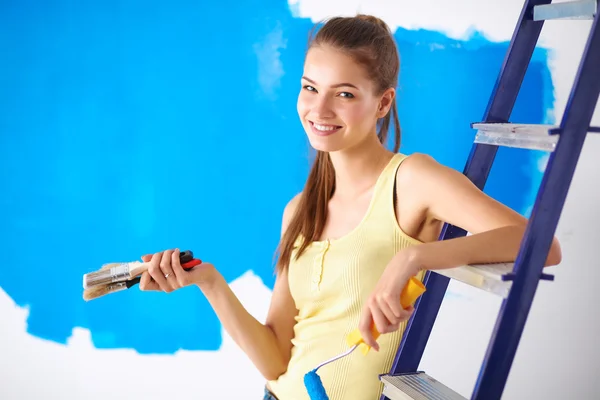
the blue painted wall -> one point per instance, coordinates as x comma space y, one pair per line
128, 127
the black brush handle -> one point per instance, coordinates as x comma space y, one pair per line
184, 257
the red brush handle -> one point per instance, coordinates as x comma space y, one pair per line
191, 264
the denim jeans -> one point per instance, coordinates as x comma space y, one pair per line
268, 395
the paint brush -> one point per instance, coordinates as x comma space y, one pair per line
312, 381
101, 290
118, 272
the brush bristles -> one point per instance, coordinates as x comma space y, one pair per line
102, 290
95, 292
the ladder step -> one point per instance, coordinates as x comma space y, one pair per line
416, 386
582, 9
522, 136
493, 278
488, 277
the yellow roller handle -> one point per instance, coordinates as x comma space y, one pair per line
413, 289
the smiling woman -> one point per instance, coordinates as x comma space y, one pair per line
367, 221
341, 95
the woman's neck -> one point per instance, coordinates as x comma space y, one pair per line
358, 168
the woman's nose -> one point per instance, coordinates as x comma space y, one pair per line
322, 108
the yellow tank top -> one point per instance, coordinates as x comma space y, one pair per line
330, 283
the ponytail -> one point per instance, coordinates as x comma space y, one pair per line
384, 128
311, 213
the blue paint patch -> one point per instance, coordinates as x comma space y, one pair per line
445, 85
128, 127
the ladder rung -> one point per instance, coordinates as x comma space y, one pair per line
493, 278
488, 277
522, 136
582, 9
416, 386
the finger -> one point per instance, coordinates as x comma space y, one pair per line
406, 314
387, 311
178, 271
157, 274
394, 327
146, 282
381, 322
392, 303
147, 257
364, 326
167, 269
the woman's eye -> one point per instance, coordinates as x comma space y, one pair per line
347, 95
309, 88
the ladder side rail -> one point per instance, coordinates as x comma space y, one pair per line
543, 222
478, 165
506, 90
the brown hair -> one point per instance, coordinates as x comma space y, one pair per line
369, 41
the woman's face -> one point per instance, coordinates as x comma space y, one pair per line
337, 104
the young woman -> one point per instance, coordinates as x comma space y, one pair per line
367, 220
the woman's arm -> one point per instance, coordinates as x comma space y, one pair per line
268, 346
443, 194
449, 196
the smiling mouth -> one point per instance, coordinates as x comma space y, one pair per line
324, 129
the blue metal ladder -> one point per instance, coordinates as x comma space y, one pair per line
516, 282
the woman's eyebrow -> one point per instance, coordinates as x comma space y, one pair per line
337, 85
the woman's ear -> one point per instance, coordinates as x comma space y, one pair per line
385, 103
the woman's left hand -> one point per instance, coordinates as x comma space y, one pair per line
383, 306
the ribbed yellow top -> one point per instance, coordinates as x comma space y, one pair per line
330, 283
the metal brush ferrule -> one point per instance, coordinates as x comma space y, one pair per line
120, 273
117, 287
114, 274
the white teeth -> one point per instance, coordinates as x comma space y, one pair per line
325, 127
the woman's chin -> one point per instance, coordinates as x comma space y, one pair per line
325, 144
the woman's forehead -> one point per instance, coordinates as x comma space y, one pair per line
329, 67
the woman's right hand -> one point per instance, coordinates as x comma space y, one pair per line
166, 274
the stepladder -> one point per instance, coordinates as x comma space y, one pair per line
515, 282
